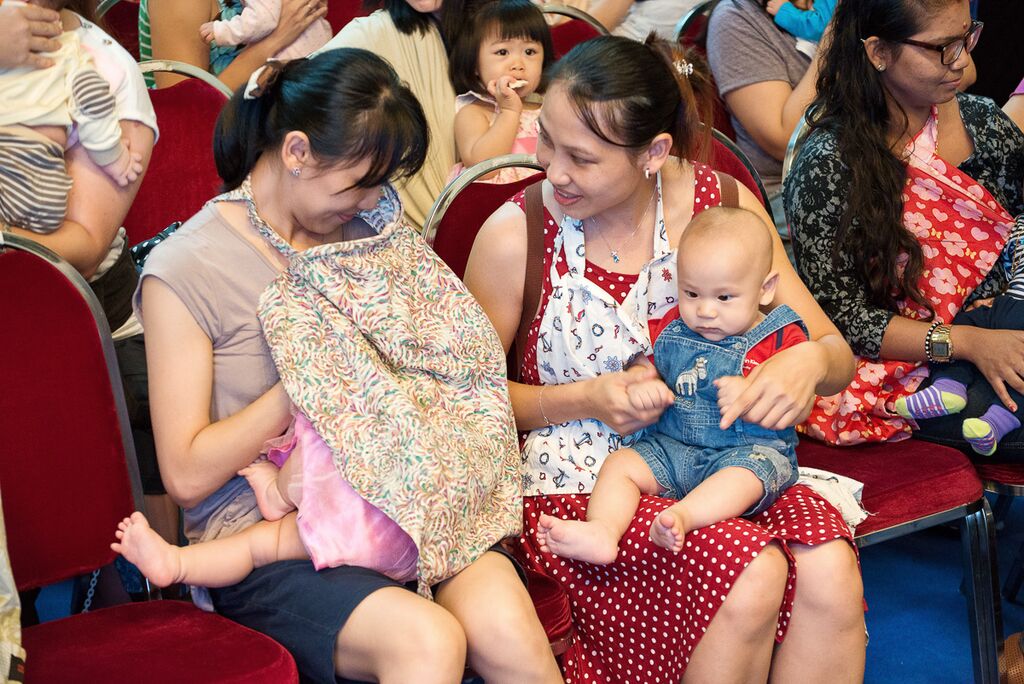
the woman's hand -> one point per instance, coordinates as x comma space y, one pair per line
998, 354
24, 33
611, 401
296, 17
777, 394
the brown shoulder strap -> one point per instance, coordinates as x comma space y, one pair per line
730, 192
534, 265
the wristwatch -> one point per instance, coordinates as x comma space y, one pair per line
938, 346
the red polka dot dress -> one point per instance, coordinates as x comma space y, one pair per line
639, 618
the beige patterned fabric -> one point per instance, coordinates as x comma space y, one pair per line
399, 370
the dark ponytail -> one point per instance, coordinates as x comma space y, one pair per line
852, 103
348, 101
638, 90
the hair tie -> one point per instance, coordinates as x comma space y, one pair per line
262, 79
683, 68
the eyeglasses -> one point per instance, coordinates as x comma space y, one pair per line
952, 50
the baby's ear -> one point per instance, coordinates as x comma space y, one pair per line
771, 282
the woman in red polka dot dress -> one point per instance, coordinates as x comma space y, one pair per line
777, 594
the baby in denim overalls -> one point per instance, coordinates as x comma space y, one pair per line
724, 276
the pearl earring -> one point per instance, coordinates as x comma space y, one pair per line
880, 67
296, 171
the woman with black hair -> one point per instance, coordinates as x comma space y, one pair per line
900, 202
745, 598
306, 154
414, 36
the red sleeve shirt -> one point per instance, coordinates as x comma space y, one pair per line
784, 338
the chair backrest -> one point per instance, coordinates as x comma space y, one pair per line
727, 157
67, 467
796, 141
340, 12
182, 174
568, 34
464, 205
121, 19
692, 29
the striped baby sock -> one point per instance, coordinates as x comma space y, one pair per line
983, 434
942, 398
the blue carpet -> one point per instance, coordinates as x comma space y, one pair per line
917, 617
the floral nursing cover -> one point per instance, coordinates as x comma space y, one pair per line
962, 229
399, 370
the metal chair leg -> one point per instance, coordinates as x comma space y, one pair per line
983, 606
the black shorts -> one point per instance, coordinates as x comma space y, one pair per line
303, 609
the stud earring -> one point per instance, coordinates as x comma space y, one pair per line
296, 171
647, 172
880, 67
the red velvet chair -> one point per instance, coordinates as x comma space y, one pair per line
340, 12
580, 27
182, 175
121, 20
913, 485
68, 475
725, 156
1006, 480
463, 206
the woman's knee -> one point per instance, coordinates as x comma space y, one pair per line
419, 642
756, 596
828, 578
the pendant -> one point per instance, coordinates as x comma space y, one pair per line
615, 256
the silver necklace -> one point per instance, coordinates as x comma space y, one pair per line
614, 253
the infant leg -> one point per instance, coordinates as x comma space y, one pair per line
269, 484
216, 563
623, 477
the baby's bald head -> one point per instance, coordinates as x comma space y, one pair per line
739, 233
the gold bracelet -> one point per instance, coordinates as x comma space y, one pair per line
540, 404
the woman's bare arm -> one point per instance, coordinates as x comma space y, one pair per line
96, 204
495, 275
781, 391
174, 25
196, 456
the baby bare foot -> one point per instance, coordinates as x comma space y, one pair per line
590, 541
144, 548
669, 530
262, 477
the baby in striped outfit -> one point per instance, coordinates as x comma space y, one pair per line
948, 392
40, 110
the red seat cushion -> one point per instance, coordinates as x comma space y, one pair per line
902, 481
153, 642
1001, 473
553, 609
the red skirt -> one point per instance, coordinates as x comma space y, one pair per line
639, 619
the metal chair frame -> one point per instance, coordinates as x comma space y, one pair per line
104, 7
173, 66
738, 153
463, 180
796, 141
575, 13
701, 9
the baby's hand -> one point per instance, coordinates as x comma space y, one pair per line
125, 169
730, 387
774, 6
505, 94
206, 32
647, 395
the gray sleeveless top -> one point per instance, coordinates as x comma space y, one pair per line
219, 276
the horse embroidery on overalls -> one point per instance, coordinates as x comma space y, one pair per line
686, 383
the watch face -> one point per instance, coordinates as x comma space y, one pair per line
940, 349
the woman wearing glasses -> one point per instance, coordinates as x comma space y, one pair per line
901, 202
